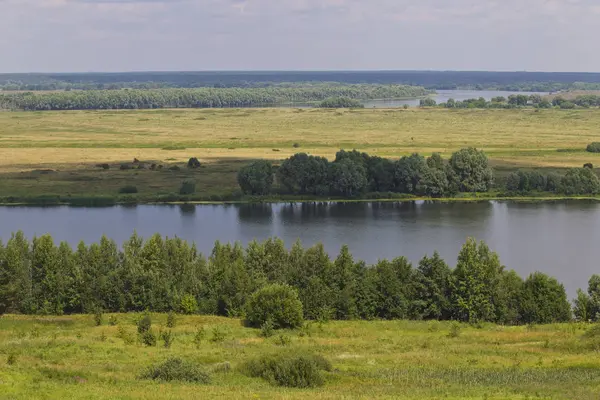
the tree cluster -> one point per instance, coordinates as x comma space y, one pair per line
162, 274
353, 173
340, 102
576, 181
199, 97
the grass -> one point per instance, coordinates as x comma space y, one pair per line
57, 153
70, 357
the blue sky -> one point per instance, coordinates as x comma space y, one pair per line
144, 35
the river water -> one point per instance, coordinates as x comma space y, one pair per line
558, 238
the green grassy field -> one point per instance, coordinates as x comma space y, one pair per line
56, 153
71, 358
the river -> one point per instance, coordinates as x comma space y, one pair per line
558, 238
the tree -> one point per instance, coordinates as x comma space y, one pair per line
474, 282
587, 305
544, 300
427, 102
432, 291
276, 303
304, 174
256, 178
470, 170
394, 287
580, 181
409, 172
348, 177
380, 174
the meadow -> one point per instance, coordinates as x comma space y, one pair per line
57, 153
70, 357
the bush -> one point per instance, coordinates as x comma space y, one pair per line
128, 189
266, 329
103, 166
428, 102
144, 324
112, 320
593, 147
588, 165
98, 318
148, 338
174, 168
11, 359
277, 303
256, 178
171, 320
168, 338
199, 336
187, 187
193, 163
340, 102
299, 371
176, 369
454, 330
218, 335
189, 304
124, 167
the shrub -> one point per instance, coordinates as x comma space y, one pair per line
256, 178
176, 369
454, 330
266, 329
124, 167
193, 163
218, 335
428, 102
103, 166
129, 189
144, 324
148, 338
593, 147
189, 304
12, 359
112, 320
299, 371
187, 187
171, 320
98, 318
296, 145
276, 302
174, 168
283, 340
199, 336
588, 165
168, 338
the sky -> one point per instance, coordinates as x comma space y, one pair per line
192, 35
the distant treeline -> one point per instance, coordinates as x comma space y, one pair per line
519, 100
512, 81
162, 274
201, 98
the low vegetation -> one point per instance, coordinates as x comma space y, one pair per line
176, 369
291, 370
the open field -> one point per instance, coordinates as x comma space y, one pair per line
68, 357
43, 153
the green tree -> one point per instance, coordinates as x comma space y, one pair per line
304, 174
432, 290
409, 172
470, 170
580, 181
276, 303
474, 282
395, 288
256, 178
544, 300
348, 177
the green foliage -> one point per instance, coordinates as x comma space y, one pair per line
193, 163
348, 177
144, 324
276, 303
171, 319
427, 102
199, 336
168, 338
112, 320
340, 102
129, 189
524, 181
267, 329
189, 304
148, 338
544, 300
454, 330
256, 178
580, 181
471, 172
304, 174
187, 187
98, 318
218, 334
178, 370
11, 359
290, 370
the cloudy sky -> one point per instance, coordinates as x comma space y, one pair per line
143, 35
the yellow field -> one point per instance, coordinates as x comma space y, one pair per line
74, 141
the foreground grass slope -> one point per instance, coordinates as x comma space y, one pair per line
69, 357
57, 152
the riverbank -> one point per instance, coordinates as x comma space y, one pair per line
68, 356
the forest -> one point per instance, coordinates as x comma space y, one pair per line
519, 100
490, 80
168, 274
200, 97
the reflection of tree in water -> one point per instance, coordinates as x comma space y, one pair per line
303, 212
556, 205
187, 209
358, 210
259, 213
432, 211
